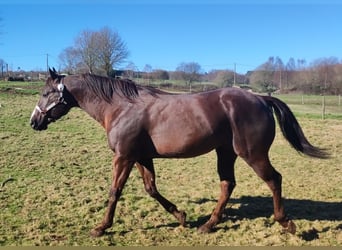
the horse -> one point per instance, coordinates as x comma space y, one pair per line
143, 123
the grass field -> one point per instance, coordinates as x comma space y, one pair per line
54, 186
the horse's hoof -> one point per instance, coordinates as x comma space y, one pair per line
204, 229
181, 217
291, 227
96, 232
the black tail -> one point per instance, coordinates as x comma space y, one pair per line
292, 130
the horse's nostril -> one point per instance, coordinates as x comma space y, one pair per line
33, 124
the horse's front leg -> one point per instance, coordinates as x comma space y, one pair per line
121, 171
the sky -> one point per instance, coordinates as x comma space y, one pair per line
216, 34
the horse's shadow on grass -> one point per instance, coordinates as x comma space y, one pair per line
256, 207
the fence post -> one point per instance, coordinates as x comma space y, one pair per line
323, 107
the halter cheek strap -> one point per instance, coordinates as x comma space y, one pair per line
60, 88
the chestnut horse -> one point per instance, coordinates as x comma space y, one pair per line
143, 123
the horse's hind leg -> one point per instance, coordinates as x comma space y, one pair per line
225, 167
266, 171
146, 170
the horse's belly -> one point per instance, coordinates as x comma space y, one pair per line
183, 147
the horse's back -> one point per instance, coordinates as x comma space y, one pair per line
189, 125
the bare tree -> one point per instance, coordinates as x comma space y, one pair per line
87, 46
223, 78
131, 68
97, 51
322, 76
2, 67
190, 72
70, 60
160, 74
279, 72
325, 73
290, 72
2, 62
112, 50
148, 70
264, 76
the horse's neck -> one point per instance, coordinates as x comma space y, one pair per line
96, 107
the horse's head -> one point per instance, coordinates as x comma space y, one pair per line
54, 102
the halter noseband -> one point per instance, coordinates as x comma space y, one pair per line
60, 88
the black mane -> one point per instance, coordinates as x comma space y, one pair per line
105, 87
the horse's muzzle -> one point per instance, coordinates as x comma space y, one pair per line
38, 126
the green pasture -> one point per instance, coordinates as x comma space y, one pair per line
312, 105
54, 186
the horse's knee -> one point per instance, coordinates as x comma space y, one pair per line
228, 186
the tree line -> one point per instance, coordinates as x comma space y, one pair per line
322, 76
103, 51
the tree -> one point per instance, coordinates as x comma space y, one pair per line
86, 45
290, 72
160, 74
325, 74
279, 71
224, 78
2, 62
130, 70
112, 50
263, 76
301, 63
2, 67
147, 69
291, 64
70, 60
190, 72
97, 51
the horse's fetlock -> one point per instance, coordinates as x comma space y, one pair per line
281, 219
97, 232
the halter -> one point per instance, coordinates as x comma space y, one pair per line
60, 88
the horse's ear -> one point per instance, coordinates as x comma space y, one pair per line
53, 73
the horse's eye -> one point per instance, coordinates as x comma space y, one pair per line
48, 92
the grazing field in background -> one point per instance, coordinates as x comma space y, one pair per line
54, 185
